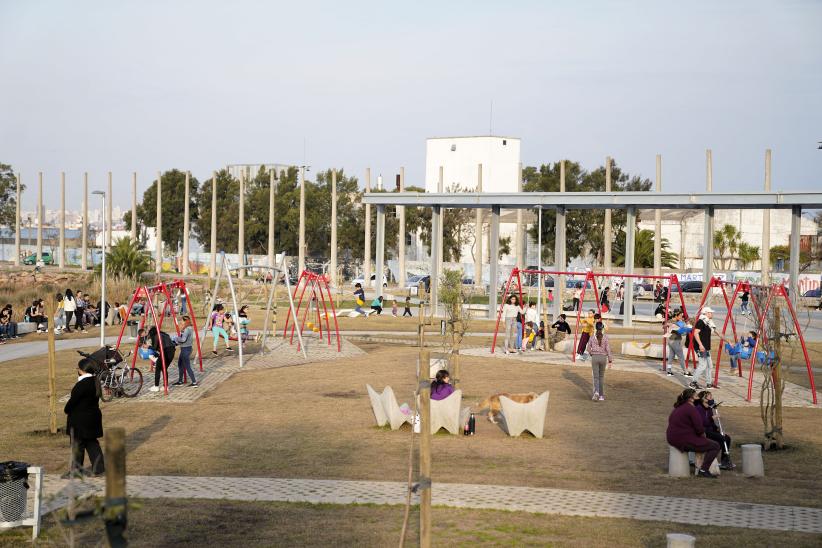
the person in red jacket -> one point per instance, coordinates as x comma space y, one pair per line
687, 433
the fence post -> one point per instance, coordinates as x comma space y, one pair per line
425, 448
115, 515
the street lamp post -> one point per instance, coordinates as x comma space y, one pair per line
102, 311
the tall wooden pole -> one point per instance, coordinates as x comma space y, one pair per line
212, 265
52, 370
84, 230
186, 227
301, 254
40, 219
658, 221
159, 245
272, 195
332, 267
424, 479
115, 513
366, 261
134, 206
401, 235
62, 257
17, 250
608, 236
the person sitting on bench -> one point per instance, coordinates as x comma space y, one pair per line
687, 433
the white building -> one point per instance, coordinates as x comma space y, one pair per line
685, 228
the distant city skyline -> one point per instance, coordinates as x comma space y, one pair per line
97, 86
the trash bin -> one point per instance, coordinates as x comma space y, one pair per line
132, 329
13, 490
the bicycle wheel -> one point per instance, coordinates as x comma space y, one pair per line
106, 389
132, 382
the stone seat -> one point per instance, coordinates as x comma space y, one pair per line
385, 407
632, 348
446, 413
679, 464
525, 416
26, 327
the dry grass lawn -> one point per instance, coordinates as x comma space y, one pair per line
220, 523
315, 421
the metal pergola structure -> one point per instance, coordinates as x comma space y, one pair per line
563, 201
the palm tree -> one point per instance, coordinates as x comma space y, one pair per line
644, 251
747, 254
127, 259
726, 240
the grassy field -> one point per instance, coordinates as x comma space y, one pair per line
221, 523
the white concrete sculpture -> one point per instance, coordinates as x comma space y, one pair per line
752, 464
446, 413
525, 416
678, 465
388, 411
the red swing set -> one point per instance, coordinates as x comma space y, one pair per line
148, 293
775, 290
590, 281
317, 287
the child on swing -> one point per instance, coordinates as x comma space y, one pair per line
741, 350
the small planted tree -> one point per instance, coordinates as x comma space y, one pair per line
453, 297
127, 259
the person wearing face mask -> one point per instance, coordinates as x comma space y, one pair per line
84, 421
706, 407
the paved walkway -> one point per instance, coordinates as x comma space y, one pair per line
732, 390
489, 497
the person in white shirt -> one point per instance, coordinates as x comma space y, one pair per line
510, 311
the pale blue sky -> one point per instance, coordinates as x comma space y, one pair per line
150, 85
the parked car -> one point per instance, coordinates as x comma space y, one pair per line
813, 293
693, 286
413, 283
359, 280
45, 256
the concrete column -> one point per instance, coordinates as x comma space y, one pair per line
62, 256
380, 255
766, 225
159, 247
241, 226
332, 267
658, 221
440, 237
108, 222
607, 233
560, 261
134, 206
40, 219
301, 253
212, 265
708, 230
493, 262
401, 235
272, 194
796, 226
17, 249
436, 212
366, 258
186, 222
478, 235
84, 229
520, 239
630, 246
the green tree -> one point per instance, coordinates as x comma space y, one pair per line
644, 251
228, 210
127, 259
584, 227
747, 254
173, 206
8, 195
783, 252
726, 246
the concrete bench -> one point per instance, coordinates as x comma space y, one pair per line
632, 348
525, 416
26, 327
679, 464
446, 413
385, 407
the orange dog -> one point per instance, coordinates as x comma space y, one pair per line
495, 408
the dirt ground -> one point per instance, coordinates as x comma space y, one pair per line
193, 523
315, 421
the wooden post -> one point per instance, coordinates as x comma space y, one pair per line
424, 478
52, 370
455, 367
115, 513
777, 438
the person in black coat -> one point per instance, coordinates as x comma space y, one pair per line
159, 339
84, 423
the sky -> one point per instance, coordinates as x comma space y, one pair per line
150, 85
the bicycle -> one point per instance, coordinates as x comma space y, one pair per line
115, 379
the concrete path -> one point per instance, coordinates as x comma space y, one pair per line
40, 345
488, 497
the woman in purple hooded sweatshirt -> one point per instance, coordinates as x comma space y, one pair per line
441, 387
687, 433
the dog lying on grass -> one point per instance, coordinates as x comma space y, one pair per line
492, 404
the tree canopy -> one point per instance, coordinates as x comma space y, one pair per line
8, 195
173, 205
